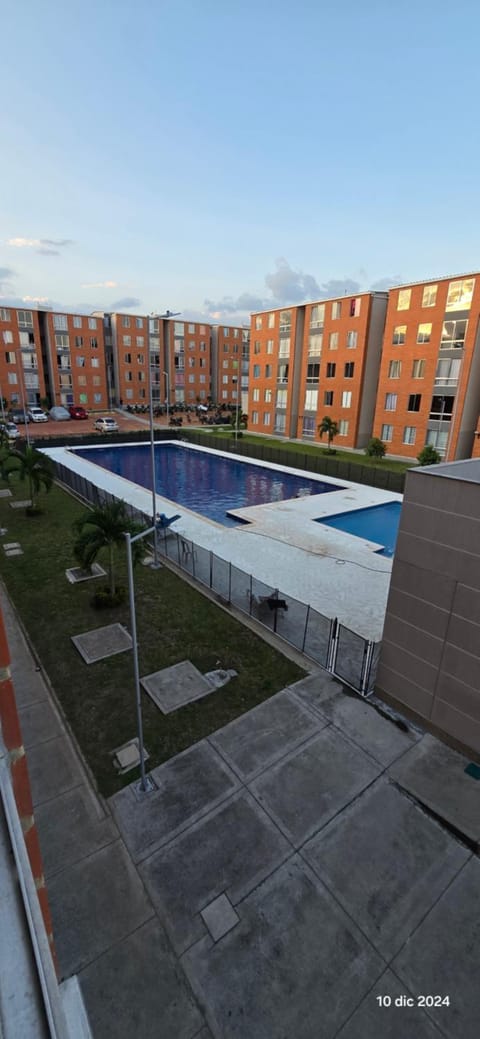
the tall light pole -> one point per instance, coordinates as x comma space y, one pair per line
145, 784
22, 391
167, 314
167, 385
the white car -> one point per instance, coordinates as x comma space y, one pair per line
37, 415
9, 430
106, 425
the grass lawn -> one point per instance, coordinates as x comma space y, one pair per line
292, 446
174, 622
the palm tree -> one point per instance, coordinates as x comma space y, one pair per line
34, 467
104, 527
330, 428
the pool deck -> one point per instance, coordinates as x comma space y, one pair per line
338, 574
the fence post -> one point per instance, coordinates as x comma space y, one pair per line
305, 629
367, 664
332, 646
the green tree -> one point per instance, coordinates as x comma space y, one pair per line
375, 448
103, 528
428, 455
328, 428
34, 467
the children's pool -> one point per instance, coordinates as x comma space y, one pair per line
377, 523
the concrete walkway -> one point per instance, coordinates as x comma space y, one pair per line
287, 874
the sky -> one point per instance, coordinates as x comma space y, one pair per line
214, 157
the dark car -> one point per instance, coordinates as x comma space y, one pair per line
18, 415
76, 411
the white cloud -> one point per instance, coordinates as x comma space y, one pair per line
35, 299
100, 285
44, 246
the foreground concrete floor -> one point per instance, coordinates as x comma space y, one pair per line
285, 876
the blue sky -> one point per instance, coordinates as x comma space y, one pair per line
218, 156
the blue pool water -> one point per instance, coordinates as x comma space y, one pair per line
203, 482
378, 523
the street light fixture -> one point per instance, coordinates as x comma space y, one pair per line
167, 314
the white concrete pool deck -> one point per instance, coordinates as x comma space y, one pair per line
338, 574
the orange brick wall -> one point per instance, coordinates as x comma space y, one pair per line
190, 376
78, 370
229, 364
23, 362
130, 336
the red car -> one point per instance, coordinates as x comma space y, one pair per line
76, 411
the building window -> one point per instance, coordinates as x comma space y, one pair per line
257, 346
235, 333
343, 427
95, 363
28, 339
202, 379
448, 371
282, 373
331, 369
191, 379
414, 402
333, 341
258, 321
254, 418
191, 362
268, 371
202, 362
139, 322
403, 302
269, 346
79, 342
127, 340
347, 399
12, 378
387, 434
226, 331
394, 369
349, 370
92, 323
224, 364
8, 337
391, 401
285, 320
328, 398
266, 418
97, 398
352, 339
424, 333
284, 347
267, 396
281, 401
256, 371
202, 330
460, 294
409, 433
191, 345
438, 439
125, 322
127, 358
62, 342
418, 368
129, 394
336, 310
60, 322
94, 343
280, 423
140, 358
453, 335
315, 343
82, 380
178, 328
311, 400
4, 314
429, 297
25, 318
271, 320
10, 357
80, 362
317, 315
355, 305
313, 372
140, 341
256, 395
96, 380
399, 333
77, 321
308, 428
128, 377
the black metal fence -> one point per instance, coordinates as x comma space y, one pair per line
341, 651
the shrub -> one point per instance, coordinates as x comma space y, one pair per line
428, 456
375, 448
105, 600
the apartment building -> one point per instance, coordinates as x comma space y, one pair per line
188, 346
22, 380
429, 385
129, 358
317, 359
230, 360
74, 359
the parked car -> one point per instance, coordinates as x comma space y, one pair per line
36, 414
18, 415
76, 411
59, 414
9, 430
106, 425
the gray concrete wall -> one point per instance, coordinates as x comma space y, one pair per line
430, 656
373, 351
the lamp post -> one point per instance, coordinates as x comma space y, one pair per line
146, 784
22, 391
167, 388
167, 314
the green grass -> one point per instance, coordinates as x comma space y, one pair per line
294, 447
174, 622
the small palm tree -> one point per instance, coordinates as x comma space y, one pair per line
329, 428
104, 527
34, 467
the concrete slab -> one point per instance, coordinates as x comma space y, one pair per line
11, 544
316, 688
231, 850
20, 504
53, 769
189, 785
95, 903
435, 775
393, 1022
76, 575
102, 642
175, 686
39, 722
403, 862
71, 827
138, 988
442, 956
265, 734
127, 757
14, 552
359, 720
219, 917
5, 493
299, 964
307, 788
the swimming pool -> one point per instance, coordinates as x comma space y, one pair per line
377, 523
202, 481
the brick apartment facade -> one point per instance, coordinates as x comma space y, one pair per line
429, 385
22, 377
230, 356
317, 359
74, 355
